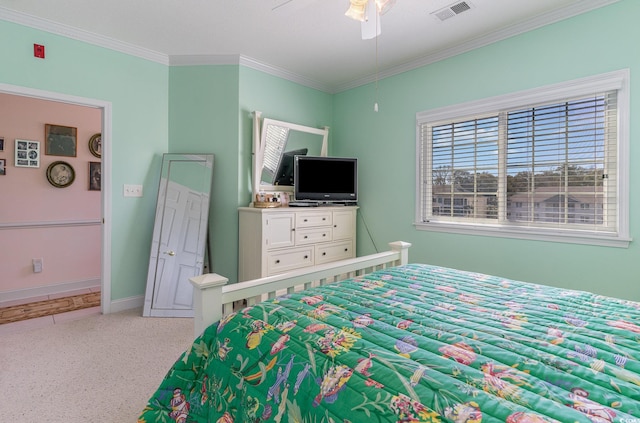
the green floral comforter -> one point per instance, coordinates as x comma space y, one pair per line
415, 343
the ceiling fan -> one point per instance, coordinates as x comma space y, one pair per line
368, 12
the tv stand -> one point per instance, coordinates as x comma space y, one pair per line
281, 239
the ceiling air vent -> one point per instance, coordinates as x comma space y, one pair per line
452, 10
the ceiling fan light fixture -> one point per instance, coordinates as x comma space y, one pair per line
370, 27
357, 10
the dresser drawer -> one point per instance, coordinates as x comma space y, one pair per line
334, 251
313, 235
319, 218
285, 260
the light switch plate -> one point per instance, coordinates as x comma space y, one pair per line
132, 190
37, 265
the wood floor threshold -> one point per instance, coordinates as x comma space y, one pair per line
48, 307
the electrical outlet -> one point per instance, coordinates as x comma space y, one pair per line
132, 190
37, 265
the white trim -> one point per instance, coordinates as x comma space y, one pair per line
62, 223
204, 59
106, 107
535, 234
233, 59
616, 80
81, 35
40, 291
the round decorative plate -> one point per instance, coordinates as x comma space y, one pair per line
60, 174
95, 145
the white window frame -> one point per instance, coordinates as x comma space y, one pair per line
617, 80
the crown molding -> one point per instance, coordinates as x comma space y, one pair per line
495, 36
204, 59
194, 60
133, 50
81, 35
236, 59
285, 74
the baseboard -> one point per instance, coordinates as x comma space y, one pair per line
39, 291
127, 304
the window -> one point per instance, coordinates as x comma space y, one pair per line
484, 167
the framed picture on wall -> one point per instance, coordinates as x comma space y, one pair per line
61, 140
95, 176
95, 145
60, 174
1, 143
3, 167
27, 153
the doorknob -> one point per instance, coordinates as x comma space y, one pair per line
170, 252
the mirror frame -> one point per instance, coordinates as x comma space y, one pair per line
202, 257
259, 146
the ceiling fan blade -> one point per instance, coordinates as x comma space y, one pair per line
280, 4
384, 5
357, 10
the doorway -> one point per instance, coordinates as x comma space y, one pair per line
105, 218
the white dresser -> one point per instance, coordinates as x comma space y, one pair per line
277, 240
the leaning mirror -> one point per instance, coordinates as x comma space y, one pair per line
275, 147
178, 247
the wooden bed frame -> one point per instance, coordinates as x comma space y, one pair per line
213, 299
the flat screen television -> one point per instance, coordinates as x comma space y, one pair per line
284, 174
325, 179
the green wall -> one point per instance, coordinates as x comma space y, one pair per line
203, 118
277, 99
385, 142
138, 92
210, 111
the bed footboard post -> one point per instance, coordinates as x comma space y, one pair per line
207, 300
403, 248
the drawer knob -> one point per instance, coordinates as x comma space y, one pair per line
324, 254
306, 257
346, 249
277, 261
305, 237
324, 234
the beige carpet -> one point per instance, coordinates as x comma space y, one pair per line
101, 368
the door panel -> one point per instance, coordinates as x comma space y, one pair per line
179, 238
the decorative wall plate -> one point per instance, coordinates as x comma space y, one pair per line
95, 145
60, 174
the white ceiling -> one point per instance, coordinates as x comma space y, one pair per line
310, 41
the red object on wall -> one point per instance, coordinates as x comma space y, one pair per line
38, 51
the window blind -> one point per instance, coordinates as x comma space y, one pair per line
560, 164
543, 166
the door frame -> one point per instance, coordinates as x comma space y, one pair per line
106, 109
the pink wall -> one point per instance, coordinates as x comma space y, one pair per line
70, 253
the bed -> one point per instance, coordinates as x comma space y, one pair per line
402, 342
